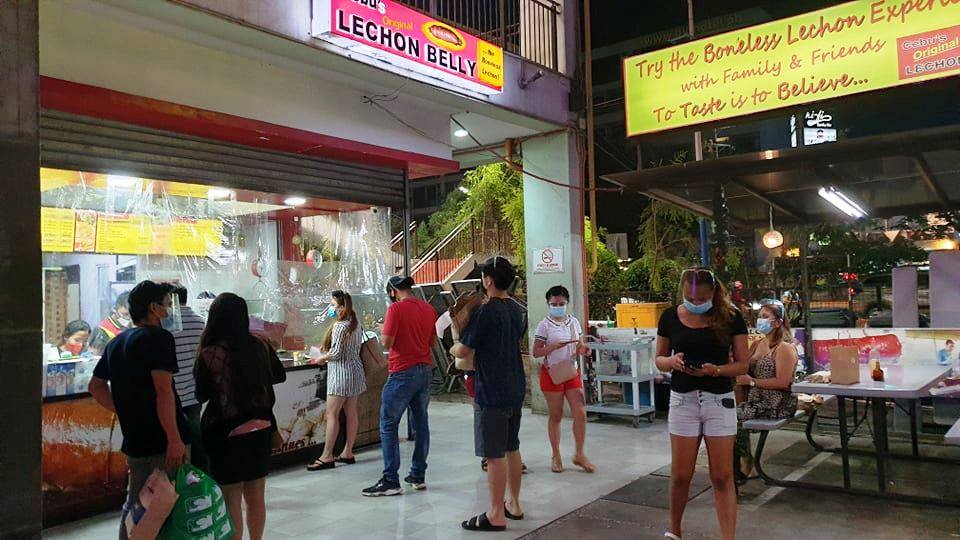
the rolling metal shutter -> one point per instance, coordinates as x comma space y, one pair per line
69, 141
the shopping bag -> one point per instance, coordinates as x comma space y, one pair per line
844, 365
200, 512
154, 504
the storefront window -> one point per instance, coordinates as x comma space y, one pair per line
101, 234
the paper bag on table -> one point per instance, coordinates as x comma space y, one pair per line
844, 365
154, 504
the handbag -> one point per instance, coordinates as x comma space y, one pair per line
562, 372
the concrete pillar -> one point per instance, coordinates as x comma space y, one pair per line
905, 309
553, 219
20, 300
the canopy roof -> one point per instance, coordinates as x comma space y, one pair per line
904, 173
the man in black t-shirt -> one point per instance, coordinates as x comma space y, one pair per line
134, 378
492, 339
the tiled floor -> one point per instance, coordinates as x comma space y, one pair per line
328, 504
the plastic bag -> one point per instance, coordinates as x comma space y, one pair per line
201, 510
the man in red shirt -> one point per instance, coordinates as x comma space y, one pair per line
408, 332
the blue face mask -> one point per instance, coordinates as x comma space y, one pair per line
331, 312
698, 309
558, 312
764, 326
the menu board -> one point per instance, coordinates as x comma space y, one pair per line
86, 231
56, 229
124, 233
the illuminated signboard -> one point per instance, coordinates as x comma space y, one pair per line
406, 38
846, 49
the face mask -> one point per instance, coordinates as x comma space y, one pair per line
73, 348
331, 312
169, 323
558, 311
764, 326
698, 309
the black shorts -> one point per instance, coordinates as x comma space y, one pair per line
244, 458
496, 431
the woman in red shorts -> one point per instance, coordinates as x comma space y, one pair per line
559, 338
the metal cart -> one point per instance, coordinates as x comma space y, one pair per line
629, 363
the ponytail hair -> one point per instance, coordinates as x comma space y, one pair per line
782, 334
345, 301
720, 317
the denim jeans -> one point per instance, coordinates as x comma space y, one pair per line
409, 388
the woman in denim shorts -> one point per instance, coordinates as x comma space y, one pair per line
703, 343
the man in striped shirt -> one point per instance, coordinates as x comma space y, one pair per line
187, 342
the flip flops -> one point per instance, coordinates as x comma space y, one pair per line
320, 465
506, 512
482, 524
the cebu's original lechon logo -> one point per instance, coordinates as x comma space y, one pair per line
444, 36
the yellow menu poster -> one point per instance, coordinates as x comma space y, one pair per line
201, 237
124, 233
56, 229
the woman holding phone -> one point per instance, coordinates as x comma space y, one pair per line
696, 343
559, 341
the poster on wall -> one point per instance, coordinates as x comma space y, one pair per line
404, 37
842, 50
898, 346
300, 414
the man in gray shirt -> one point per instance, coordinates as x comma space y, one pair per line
187, 341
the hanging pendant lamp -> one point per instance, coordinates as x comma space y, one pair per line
772, 239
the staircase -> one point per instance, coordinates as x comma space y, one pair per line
452, 257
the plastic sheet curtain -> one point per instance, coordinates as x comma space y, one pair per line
125, 229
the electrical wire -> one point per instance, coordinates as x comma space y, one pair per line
377, 100
519, 168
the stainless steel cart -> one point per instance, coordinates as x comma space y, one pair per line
629, 363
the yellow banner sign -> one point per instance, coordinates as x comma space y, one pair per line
846, 49
66, 230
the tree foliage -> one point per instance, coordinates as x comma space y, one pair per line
667, 246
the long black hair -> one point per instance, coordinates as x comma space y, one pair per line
228, 322
246, 369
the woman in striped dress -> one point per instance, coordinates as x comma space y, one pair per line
345, 380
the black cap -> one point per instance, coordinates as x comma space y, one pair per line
400, 283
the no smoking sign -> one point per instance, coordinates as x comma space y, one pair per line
548, 261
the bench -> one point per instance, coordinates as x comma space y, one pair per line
765, 426
953, 436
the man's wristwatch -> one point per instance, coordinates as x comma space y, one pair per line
753, 382
717, 372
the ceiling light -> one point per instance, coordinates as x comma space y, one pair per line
217, 194
461, 133
773, 239
842, 202
464, 189
122, 182
294, 201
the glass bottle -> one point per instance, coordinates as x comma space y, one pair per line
876, 372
